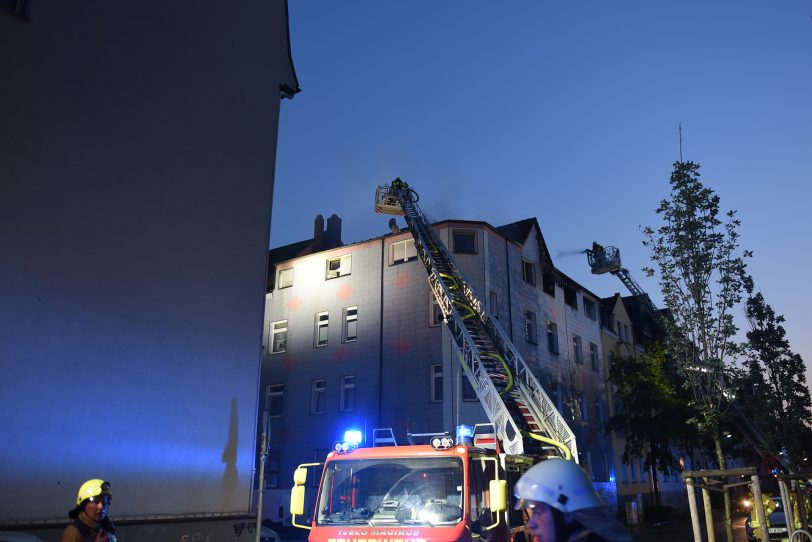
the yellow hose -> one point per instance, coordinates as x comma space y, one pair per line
563, 447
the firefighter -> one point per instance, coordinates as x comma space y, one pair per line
90, 521
564, 507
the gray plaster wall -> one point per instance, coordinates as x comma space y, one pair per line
137, 143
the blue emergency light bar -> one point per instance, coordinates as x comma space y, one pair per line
353, 436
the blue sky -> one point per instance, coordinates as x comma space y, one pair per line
565, 111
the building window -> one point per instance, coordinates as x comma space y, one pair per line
577, 349
552, 337
465, 242
620, 332
339, 267
528, 272
279, 336
319, 391
558, 397
611, 359
593, 356
629, 338
272, 470
285, 278
274, 399
548, 283
322, 328
599, 411
350, 324
494, 305
402, 251
468, 391
583, 406
571, 297
589, 309
347, 401
530, 327
435, 314
436, 383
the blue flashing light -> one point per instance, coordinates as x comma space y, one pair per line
352, 436
465, 434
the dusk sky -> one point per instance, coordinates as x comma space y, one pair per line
560, 110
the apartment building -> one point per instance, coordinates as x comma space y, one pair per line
354, 339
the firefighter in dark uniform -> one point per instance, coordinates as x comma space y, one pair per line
90, 521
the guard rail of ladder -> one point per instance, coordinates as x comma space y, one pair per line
531, 407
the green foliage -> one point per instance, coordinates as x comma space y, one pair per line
654, 414
702, 278
772, 384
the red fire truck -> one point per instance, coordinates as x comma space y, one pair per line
447, 490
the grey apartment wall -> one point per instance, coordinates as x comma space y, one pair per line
138, 144
299, 433
409, 345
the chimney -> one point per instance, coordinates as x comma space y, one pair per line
334, 231
318, 228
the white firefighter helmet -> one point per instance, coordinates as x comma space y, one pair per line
559, 483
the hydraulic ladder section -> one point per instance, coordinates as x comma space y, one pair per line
512, 397
607, 260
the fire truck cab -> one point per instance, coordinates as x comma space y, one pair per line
439, 492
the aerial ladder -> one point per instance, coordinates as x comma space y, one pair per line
607, 260
526, 421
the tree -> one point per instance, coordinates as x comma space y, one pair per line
653, 415
775, 381
702, 278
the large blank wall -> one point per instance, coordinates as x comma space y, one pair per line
137, 150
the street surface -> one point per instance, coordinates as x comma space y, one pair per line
680, 530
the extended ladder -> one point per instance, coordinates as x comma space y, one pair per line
512, 397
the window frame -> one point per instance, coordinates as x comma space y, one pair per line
279, 283
271, 473
530, 327
467, 391
273, 391
578, 349
465, 233
408, 255
552, 338
571, 299
590, 308
273, 332
435, 312
344, 267
320, 324
347, 383
318, 395
528, 272
348, 317
494, 304
436, 378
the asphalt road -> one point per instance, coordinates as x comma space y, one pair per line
680, 530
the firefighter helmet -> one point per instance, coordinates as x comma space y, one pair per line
559, 483
92, 488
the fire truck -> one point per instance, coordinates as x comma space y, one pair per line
446, 486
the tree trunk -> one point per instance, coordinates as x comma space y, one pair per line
720, 457
655, 482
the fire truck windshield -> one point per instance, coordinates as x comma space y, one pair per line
392, 491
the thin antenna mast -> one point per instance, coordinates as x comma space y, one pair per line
680, 141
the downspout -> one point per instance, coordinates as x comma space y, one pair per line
380, 345
510, 303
